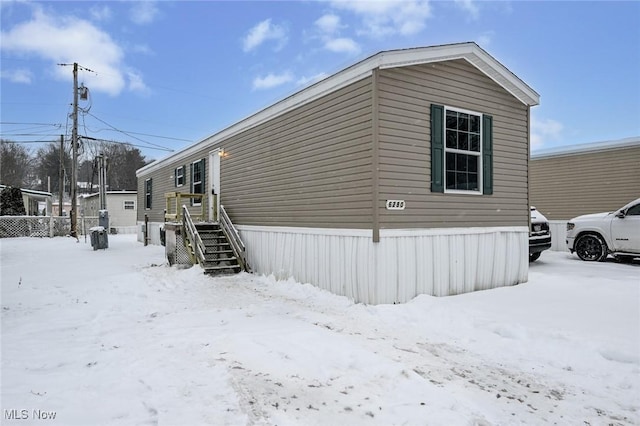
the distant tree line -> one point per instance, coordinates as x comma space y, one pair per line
21, 168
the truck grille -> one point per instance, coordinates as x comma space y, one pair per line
540, 228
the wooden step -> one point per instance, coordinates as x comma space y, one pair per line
207, 226
210, 251
219, 257
205, 236
214, 245
222, 269
210, 259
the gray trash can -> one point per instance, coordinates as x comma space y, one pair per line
99, 238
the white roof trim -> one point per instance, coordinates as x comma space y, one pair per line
587, 148
388, 59
96, 194
30, 191
471, 52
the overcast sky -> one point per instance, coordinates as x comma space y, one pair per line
166, 74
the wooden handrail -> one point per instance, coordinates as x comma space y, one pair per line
178, 196
233, 236
193, 236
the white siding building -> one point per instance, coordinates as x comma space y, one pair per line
122, 208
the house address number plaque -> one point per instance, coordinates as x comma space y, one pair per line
395, 204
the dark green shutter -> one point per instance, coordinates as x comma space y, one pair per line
203, 179
487, 154
191, 183
437, 148
204, 175
148, 190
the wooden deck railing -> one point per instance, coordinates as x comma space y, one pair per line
233, 236
194, 241
174, 203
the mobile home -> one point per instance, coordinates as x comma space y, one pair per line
404, 174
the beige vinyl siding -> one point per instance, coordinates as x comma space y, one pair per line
310, 167
405, 97
164, 182
566, 186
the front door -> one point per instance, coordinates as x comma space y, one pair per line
214, 186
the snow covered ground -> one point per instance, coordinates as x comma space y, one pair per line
116, 337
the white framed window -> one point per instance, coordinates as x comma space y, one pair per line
129, 205
179, 173
463, 151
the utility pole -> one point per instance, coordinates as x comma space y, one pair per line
74, 148
61, 176
102, 180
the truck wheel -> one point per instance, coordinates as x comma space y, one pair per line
591, 248
534, 256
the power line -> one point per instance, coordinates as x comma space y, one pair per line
31, 124
150, 135
130, 135
124, 143
32, 141
28, 134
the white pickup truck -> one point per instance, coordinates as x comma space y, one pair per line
539, 235
594, 236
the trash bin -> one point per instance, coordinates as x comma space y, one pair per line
99, 238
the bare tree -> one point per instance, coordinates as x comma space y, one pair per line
48, 165
15, 164
122, 163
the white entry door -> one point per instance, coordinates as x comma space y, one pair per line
214, 184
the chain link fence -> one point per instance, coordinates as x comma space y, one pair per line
43, 226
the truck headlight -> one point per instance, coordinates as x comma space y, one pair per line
570, 226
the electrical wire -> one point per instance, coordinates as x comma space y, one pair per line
164, 148
123, 143
30, 124
28, 134
139, 133
33, 141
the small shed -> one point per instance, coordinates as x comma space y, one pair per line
403, 174
122, 208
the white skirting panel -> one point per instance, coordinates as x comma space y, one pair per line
405, 263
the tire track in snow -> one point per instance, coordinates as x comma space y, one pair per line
540, 398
